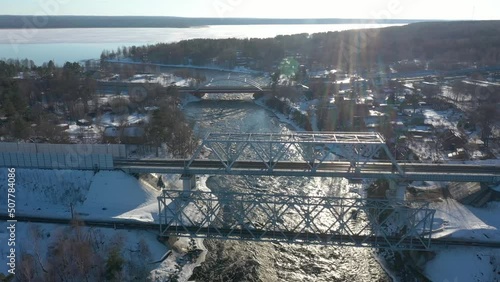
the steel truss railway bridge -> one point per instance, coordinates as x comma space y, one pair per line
298, 218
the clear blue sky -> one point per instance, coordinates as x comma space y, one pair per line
394, 9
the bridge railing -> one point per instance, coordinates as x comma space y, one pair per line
296, 219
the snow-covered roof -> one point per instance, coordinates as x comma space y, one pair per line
83, 121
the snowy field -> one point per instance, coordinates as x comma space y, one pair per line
460, 221
107, 195
466, 264
140, 249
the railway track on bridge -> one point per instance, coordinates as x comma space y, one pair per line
114, 224
372, 166
135, 225
412, 171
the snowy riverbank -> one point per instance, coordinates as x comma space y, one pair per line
107, 195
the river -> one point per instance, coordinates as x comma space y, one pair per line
61, 45
248, 261
234, 261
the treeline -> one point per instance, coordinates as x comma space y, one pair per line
443, 43
34, 101
483, 111
169, 126
295, 115
11, 67
204, 52
80, 253
30, 94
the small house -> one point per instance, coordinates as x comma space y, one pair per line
453, 140
125, 135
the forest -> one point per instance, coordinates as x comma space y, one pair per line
48, 92
35, 99
443, 45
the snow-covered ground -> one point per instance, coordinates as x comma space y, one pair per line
106, 195
457, 220
459, 264
282, 118
163, 79
139, 249
441, 119
466, 264
437, 122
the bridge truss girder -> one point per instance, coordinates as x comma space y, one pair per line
314, 148
296, 219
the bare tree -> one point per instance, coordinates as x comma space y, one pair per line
458, 89
72, 257
485, 116
120, 105
27, 270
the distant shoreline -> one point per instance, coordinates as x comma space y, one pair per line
48, 22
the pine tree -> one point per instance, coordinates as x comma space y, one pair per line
160, 183
114, 265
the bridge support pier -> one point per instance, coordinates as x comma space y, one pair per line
398, 189
188, 182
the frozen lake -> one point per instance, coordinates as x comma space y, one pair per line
61, 45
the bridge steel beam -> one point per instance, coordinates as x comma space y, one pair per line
296, 219
246, 81
382, 174
314, 148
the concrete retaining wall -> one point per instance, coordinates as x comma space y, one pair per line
56, 161
60, 156
117, 151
